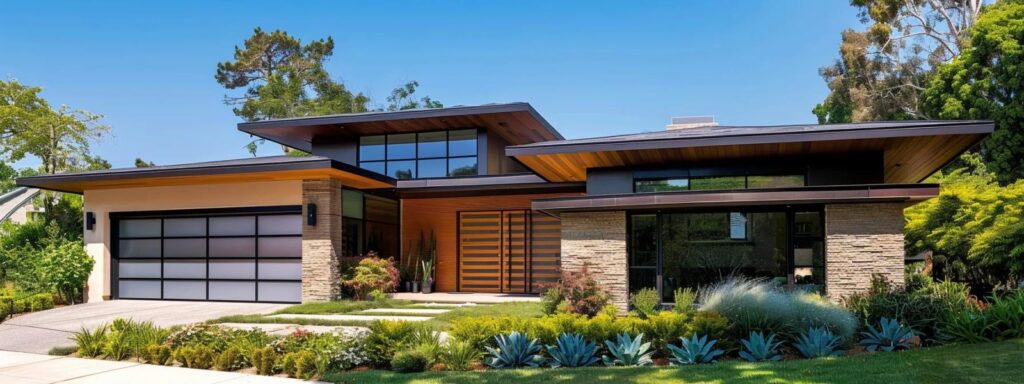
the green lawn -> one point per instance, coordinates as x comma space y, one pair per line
989, 363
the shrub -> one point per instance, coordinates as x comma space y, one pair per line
66, 267
40, 302
301, 364
550, 299
480, 331
158, 354
627, 351
407, 361
195, 356
264, 359
547, 329
663, 328
889, 337
459, 355
755, 305
572, 351
387, 337
758, 348
710, 323
229, 360
91, 343
373, 274
684, 298
581, 292
118, 345
646, 302
696, 350
970, 326
1007, 315
514, 350
926, 310
817, 342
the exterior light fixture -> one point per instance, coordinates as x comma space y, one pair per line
90, 220
311, 214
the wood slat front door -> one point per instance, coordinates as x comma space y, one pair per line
510, 251
480, 251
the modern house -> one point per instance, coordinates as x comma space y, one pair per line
512, 203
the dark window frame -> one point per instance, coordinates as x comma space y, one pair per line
364, 220
690, 179
416, 153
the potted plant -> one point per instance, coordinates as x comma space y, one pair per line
427, 253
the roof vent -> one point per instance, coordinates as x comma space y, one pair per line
691, 122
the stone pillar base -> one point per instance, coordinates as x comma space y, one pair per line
598, 240
862, 240
321, 243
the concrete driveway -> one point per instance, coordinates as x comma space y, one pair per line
40, 331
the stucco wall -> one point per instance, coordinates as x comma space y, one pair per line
102, 202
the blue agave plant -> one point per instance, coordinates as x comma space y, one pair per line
817, 342
892, 336
572, 351
514, 351
628, 351
758, 348
696, 350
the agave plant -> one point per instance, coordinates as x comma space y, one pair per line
817, 342
892, 336
627, 351
514, 351
758, 348
696, 350
572, 351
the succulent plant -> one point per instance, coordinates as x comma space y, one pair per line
627, 351
758, 348
890, 337
514, 351
572, 351
696, 350
818, 342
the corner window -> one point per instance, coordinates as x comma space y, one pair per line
369, 223
421, 155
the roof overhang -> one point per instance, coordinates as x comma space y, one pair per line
517, 123
912, 150
483, 185
910, 193
231, 171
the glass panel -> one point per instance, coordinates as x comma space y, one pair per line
284, 292
375, 166
462, 166
138, 248
402, 146
232, 290
643, 241
382, 238
809, 264
787, 181
715, 183
195, 226
737, 226
185, 269
640, 278
432, 144
381, 209
233, 226
280, 247
232, 269
432, 168
352, 203
667, 185
281, 225
133, 289
371, 148
351, 237
139, 268
185, 290
281, 269
139, 228
807, 224
402, 169
185, 247
233, 247
462, 142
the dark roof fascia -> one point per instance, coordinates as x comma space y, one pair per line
874, 131
779, 196
478, 185
251, 127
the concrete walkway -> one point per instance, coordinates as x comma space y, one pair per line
344, 317
27, 368
455, 297
38, 332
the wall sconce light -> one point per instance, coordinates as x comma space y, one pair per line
90, 220
311, 214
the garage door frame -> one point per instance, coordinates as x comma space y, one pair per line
116, 217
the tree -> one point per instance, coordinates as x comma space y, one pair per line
139, 163
402, 98
985, 82
883, 70
20, 107
65, 266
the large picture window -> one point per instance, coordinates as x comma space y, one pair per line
421, 155
369, 223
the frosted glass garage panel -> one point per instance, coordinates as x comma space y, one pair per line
280, 247
139, 228
281, 269
139, 248
185, 227
233, 247
232, 291
185, 290
184, 247
185, 269
233, 226
138, 268
130, 289
281, 225
233, 269
287, 292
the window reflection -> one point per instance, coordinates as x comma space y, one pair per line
421, 155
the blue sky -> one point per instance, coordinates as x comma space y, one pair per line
591, 68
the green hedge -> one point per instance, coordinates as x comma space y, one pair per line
10, 305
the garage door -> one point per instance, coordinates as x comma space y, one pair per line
226, 255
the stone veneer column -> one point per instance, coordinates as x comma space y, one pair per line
321, 243
598, 240
862, 240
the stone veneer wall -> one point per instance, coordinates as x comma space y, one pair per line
321, 243
598, 240
862, 240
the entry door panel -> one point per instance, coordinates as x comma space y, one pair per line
480, 238
510, 251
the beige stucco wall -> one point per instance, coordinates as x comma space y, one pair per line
102, 202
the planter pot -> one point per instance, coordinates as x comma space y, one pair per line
427, 288
415, 286
408, 286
